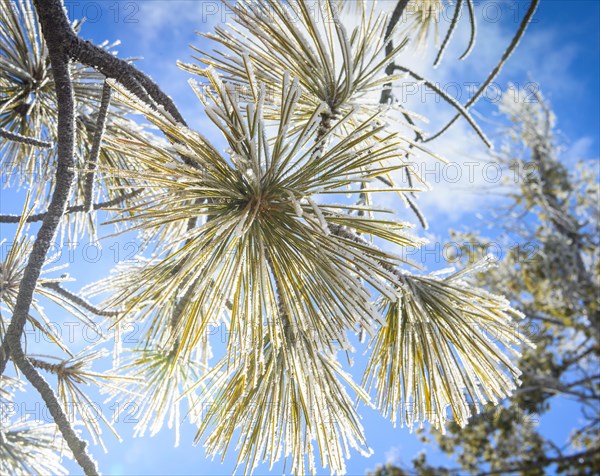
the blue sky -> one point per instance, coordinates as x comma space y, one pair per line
560, 53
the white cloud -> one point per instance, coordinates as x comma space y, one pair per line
581, 149
393, 455
178, 18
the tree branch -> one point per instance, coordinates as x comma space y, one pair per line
24, 140
386, 94
545, 461
77, 446
91, 55
65, 173
95, 152
387, 97
473, 25
450, 100
79, 301
566, 363
123, 72
72, 209
507, 54
451, 28
57, 369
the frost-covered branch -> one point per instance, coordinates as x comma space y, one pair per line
450, 100
473, 25
507, 54
24, 140
387, 97
386, 91
78, 300
65, 174
73, 209
76, 445
95, 152
91, 55
451, 28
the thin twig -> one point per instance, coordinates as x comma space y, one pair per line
65, 174
24, 140
450, 100
387, 96
73, 209
575, 359
449, 33
415, 208
386, 92
79, 301
95, 152
77, 446
509, 51
473, 24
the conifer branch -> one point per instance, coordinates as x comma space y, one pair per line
387, 97
451, 28
73, 209
507, 54
450, 100
65, 174
79, 301
473, 25
103, 61
91, 55
24, 140
386, 91
95, 152
58, 369
76, 445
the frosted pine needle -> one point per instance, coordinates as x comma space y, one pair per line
445, 346
297, 405
307, 40
29, 447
